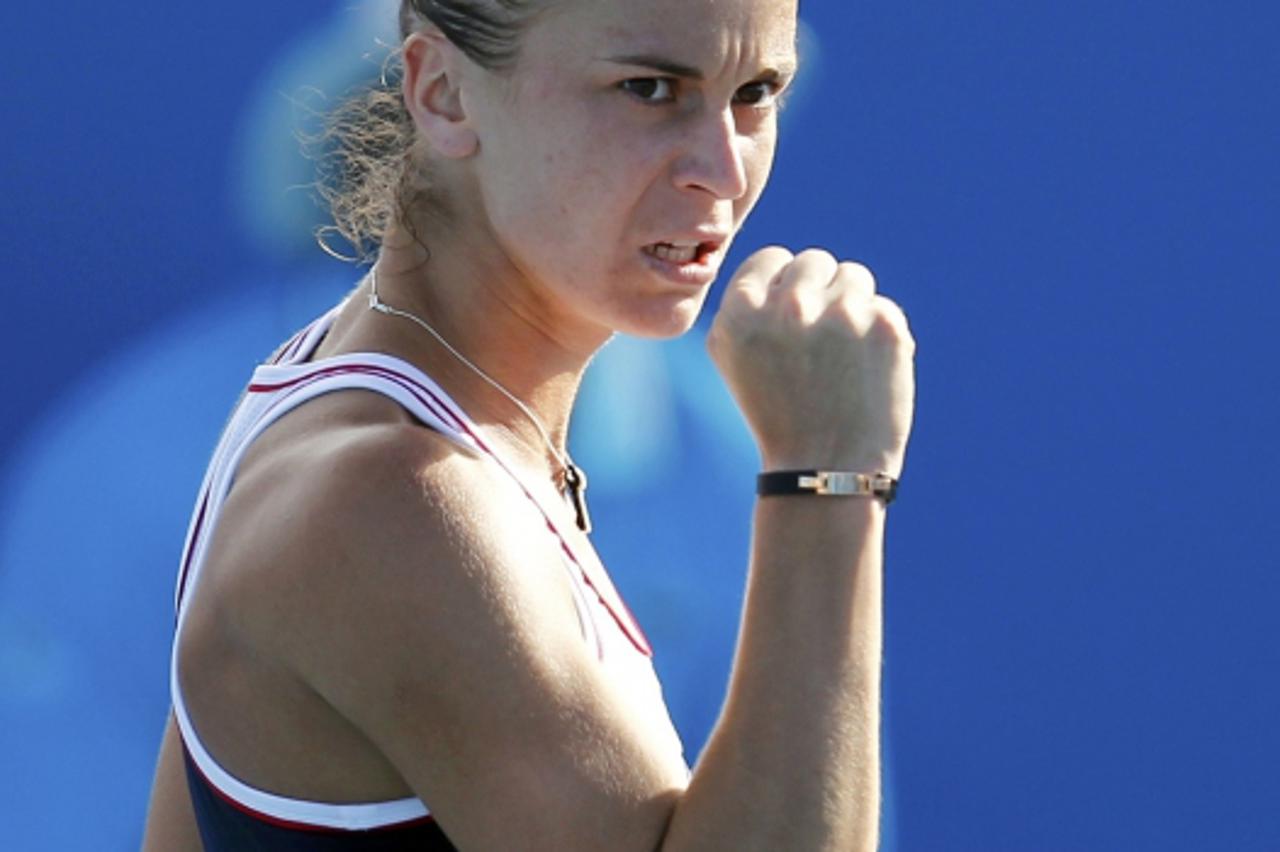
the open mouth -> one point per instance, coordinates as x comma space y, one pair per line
681, 252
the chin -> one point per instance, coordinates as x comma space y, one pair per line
662, 322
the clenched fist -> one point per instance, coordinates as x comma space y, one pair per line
821, 366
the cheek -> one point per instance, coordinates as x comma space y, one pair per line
567, 177
520, 186
549, 170
592, 185
758, 163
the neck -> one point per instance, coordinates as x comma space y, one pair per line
499, 327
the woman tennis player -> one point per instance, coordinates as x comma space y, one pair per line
393, 632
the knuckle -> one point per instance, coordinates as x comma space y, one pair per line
774, 251
892, 310
857, 276
818, 263
770, 257
809, 268
761, 268
817, 256
891, 322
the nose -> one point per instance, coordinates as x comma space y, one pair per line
713, 159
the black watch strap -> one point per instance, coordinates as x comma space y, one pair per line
827, 483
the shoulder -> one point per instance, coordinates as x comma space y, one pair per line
413, 588
354, 509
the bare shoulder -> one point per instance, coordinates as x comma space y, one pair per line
349, 512
411, 585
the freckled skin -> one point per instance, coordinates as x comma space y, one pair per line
576, 176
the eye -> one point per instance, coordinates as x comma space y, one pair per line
760, 94
650, 90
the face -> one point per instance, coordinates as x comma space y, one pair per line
624, 150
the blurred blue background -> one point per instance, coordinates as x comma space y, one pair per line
1078, 205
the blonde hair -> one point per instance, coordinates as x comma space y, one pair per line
371, 171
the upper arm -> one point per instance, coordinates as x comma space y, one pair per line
437, 618
171, 821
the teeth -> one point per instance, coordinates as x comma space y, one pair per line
674, 253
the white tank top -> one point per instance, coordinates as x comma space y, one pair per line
278, 387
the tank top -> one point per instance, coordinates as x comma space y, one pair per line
234, 816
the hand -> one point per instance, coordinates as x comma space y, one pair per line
820, 365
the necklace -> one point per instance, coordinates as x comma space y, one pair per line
575, 481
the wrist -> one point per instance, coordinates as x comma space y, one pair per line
827, 483
887, 463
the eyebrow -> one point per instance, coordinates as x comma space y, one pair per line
658, 63
678, 69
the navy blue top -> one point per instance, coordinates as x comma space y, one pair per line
225, 827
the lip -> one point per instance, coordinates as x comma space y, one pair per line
695, 273
698, 272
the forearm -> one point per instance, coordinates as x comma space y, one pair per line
794, 761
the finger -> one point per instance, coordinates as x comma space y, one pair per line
758, 271
853, 281
811, 269
894, 319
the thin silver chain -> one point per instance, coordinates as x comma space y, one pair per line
376, 304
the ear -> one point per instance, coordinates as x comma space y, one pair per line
433, 95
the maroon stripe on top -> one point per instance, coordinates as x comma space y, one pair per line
630, 628
296, 346
287, 349
437, 406
293, 825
